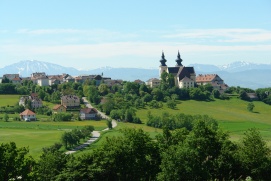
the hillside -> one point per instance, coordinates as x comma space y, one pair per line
232, 114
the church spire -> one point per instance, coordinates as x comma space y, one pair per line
179, 60
163, 60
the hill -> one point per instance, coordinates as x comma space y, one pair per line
232, 115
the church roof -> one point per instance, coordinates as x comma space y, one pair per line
173, 70
163, 60
185, 72
179, 60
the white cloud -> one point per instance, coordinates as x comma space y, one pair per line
224, 35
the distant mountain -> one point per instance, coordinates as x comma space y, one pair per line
242, 74
244, 66
27, 67
232, 67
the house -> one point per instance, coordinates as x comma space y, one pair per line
38, 74
28, 115
110, 82
88, 113
36, 102
70, 101
14, 78
212, 79
55, 79
140, 82
184, 77
82, 78
59, 108
43, 81
153, 82
23, 100
252, 96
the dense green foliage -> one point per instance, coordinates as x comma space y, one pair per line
14, 162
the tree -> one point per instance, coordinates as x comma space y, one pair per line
14, 162
254, 156
51, 163
103, 89
196, 155
250, 107
109, 124
216, 93
171, 104
6, 117
243, 95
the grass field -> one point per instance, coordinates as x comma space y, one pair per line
232, 115
10, 100
37, 135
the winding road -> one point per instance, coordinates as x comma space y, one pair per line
95, 134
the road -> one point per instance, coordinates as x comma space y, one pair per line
95, 134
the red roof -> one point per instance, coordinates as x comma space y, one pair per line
57, 106
27, 112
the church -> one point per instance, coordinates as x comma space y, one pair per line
185, 77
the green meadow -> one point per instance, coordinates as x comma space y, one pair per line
10, 100
37, 135
232, 115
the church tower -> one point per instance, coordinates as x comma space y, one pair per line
179, 60
163, 66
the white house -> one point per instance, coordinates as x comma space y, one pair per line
88, 113
28, 115
153, 82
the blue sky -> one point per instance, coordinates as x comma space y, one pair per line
88, 34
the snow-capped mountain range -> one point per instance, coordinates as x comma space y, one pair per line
242, 74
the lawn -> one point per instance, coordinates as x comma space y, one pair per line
35, 139
37, 135
232, 115
9, 100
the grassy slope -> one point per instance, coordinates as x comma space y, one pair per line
10, 100
232, 114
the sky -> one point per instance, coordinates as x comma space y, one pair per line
89, 34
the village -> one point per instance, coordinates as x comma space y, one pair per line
184, 77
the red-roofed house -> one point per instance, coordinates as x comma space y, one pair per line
88, 113
212, 79
28, 115
59, 108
